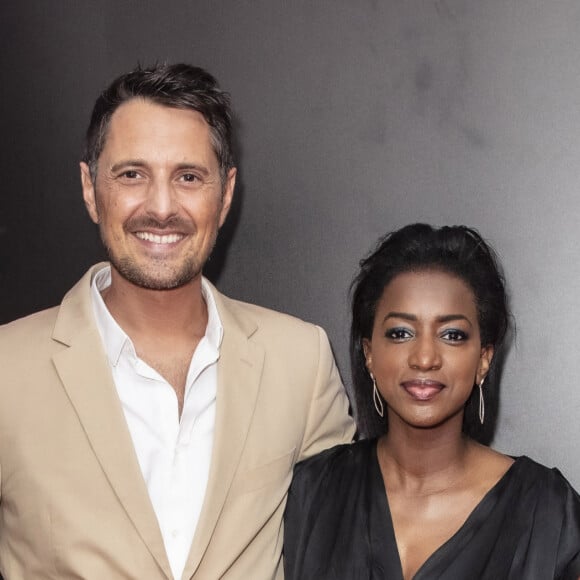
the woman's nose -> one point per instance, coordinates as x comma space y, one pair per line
425, 354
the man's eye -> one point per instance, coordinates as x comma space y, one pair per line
398, 333
130, 174
189, 177
454, 335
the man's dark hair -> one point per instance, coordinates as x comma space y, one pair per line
179, 86
457, 250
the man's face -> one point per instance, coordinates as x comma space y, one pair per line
157, 197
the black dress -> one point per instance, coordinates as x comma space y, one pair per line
338, 525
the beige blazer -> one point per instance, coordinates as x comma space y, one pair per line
73, 502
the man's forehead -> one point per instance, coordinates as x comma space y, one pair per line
143, 112
143, 124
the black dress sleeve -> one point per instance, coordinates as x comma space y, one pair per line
569, 548
307, 520
293, 523
334, 499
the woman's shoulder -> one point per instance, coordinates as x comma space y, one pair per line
339, 457
327, 511
520, 472
335, 465
552, 505
549, 479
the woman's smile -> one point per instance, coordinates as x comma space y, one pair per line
422, 389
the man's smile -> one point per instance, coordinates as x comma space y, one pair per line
159, 239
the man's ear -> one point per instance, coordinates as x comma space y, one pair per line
228, 194
89, 192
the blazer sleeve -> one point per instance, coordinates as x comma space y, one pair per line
328, 422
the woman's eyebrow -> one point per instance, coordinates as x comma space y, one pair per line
440, 319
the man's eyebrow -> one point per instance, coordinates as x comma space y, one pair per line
193, 167
128, 163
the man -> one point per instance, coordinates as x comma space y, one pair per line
149, 425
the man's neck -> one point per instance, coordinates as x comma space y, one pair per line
179, 311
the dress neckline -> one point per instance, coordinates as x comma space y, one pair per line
478, 513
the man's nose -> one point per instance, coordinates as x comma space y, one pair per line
160, 201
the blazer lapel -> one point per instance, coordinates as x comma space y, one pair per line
239, 372
86, 377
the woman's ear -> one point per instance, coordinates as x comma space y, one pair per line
485, 359
366, 346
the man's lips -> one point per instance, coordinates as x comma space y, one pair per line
171, 238
422, 389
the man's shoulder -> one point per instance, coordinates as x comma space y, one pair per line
265, 318
26, 343
264, 313
36, 324
40, 325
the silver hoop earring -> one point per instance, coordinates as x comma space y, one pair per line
481, 402
377, 398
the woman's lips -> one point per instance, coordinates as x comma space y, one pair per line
422, 390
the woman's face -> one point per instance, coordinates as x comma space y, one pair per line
425, 350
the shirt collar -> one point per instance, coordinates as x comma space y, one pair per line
115, 339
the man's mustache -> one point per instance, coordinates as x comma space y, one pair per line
173, 223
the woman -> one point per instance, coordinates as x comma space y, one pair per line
422, 498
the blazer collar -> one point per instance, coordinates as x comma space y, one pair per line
239, 372
86, 377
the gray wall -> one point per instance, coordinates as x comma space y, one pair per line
355, 118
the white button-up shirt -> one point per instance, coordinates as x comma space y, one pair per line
174, 454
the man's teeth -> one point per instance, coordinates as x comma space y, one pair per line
156, 239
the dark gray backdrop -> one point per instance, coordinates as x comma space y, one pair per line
354, 118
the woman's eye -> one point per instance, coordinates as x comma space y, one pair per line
398, 333
454, 335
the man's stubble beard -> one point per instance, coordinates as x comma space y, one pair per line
131, 271
136, 275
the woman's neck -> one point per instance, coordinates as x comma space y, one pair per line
424, 460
